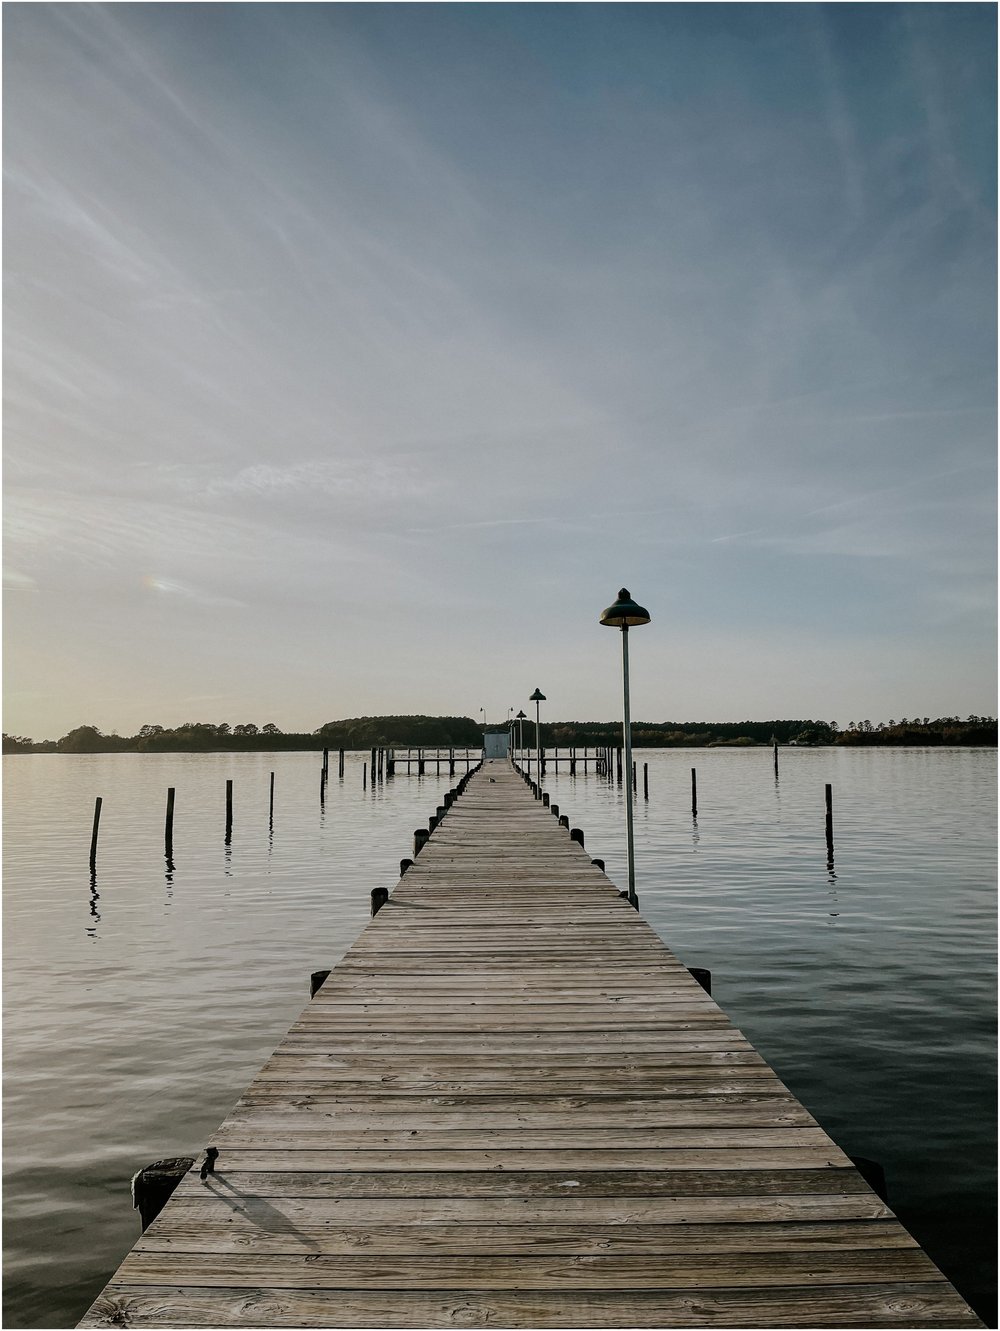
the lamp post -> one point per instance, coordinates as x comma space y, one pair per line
538, 697
520, 719
623, 615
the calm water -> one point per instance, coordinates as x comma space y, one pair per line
138, 1006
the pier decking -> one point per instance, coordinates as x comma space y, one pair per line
510, 1105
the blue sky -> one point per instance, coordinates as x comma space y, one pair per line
356, 355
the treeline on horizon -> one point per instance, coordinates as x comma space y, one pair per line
368, 732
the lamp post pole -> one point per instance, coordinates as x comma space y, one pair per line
629, 836
537, 698
620, 615
520, 734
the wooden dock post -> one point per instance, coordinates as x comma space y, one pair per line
229, 811
703, 976
645, 781
270, 804
829, 820
380, 895
316, 982
420, 838
340, 763
153, 1185
168, 828
775, 759
694, 793
364, 776
576, 834
93, 836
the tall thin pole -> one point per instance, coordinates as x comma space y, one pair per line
538, 743
633, 899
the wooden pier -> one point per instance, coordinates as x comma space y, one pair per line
511, 1106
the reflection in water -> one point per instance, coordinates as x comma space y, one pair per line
695, 837
95, 897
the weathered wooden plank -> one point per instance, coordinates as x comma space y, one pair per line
506, 1067
396, 1113
520, 1183
355, 1137
615, 1214
195, 1228
244, 1157
902, 1305
621, 1271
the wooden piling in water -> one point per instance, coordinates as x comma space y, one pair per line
93, 836
694, 793
645, 781
340, 762
153, 1186
270, 803
703, 976
229, 811
168, 827
829, 819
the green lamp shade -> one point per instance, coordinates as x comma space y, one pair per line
624, 613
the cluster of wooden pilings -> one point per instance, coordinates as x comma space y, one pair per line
422, 760
608, 763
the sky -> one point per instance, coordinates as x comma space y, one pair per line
357, 354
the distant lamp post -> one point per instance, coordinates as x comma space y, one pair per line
520, 719
625, 614
538, 697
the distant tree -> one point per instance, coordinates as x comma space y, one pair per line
84, 739
270, 729
248, 729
